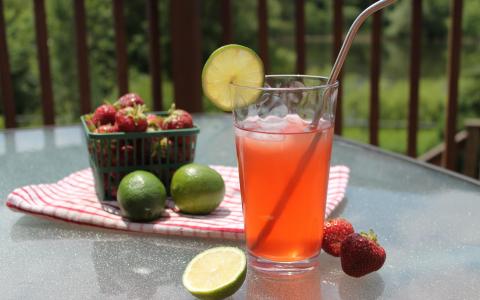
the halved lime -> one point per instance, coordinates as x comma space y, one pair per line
216, 273
232, 64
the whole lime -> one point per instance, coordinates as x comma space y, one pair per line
141, 196
197, 189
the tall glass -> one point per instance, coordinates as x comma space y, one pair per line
283, 135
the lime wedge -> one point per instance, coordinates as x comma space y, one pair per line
216, 273
232, 64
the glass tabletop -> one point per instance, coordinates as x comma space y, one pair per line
426, 219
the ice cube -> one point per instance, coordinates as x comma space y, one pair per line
266, 137
250, 123
272, 104
272, 124
295, 119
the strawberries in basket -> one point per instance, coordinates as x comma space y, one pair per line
129, 114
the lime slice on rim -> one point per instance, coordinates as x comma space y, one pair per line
232, 64
216, 273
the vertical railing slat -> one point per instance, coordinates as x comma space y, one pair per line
82, 56
337, 44
44, 62
263, 33
375, 55
186, 53
415, 58
154, 54
6, 86
471, 162
226, 19
454, 51
300, 35
120, 46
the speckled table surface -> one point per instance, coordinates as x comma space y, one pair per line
427, 220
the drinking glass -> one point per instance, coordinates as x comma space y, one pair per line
283, 136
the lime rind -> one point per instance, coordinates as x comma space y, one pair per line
232, 64
228, 285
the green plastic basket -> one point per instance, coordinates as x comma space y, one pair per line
113, 155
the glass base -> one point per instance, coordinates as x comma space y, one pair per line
286, 268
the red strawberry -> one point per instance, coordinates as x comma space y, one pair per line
129, 100
361, 254
108, 128
177, 119
131, 119
334, 232
154, 121
104, 114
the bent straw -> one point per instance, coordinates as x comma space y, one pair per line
347, 43
352, 32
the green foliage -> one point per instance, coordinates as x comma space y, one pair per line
22, 52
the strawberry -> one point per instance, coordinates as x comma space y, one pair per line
334, 232
131, 119
177, 119
129, 100
361, 254
154, 121
104, 114
107, 128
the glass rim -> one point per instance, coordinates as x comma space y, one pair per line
305, 88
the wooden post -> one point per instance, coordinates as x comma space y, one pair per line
454, 48
300, 35
472, 149
415, 55
263, 33
44, 62
82, 56
120, 47
186, 54
337, 44
375, 55
154, 54
6, 87
226, 19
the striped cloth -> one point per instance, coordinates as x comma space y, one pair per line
73, 200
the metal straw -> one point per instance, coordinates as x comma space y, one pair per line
352, 32
279, 207
342, 55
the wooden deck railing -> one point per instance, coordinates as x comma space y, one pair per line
467, 142
186, 60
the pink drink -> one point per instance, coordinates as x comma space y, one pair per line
284, 167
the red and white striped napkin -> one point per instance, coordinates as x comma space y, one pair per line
73, 200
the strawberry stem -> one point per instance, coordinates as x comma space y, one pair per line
370, 235
172, 108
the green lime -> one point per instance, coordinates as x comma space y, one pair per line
197, 189
216, 273
232, 64
141, 196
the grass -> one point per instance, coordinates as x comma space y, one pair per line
395, 139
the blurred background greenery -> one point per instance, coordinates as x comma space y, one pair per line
394, 69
